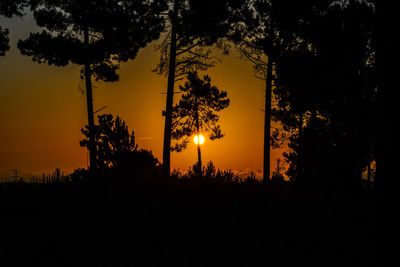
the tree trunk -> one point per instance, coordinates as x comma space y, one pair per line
89, 101
267, 122
170, 97
198, 140
199, 156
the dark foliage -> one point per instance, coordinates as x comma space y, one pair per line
97, 35
321, 70
196, 111
112, 138
117, 152
195, 25
260, 34
277, 175
181, 223
9, 9
117, 30
326, 95
138, 164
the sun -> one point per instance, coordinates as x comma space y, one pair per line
197, 139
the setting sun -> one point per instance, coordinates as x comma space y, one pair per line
196, 140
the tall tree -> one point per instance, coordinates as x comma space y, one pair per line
330, 86
194, 25
260, 37
196, 112
96, 35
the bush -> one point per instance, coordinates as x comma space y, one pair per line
138, 163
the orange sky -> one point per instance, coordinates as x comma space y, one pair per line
42, 111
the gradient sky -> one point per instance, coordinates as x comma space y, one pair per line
42, 111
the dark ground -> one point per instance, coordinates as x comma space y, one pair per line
181, 225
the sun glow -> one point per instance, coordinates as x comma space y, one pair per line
199, 138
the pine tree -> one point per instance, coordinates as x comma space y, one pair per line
194, 26
327, 94
112, 139
260, 39
196, 112
117, 151
96, 35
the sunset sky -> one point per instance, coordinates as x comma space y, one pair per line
42, 111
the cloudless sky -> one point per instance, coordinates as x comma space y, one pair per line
42, 111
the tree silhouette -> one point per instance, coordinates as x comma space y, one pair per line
194, 26
196, 112
117, 149
9, 9
96, 35
326, 94
260, 36
299, 86
112, 139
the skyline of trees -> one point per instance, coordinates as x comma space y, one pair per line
320, 67
328, 110
96, 35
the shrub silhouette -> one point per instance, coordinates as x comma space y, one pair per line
117, 151
139, 163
